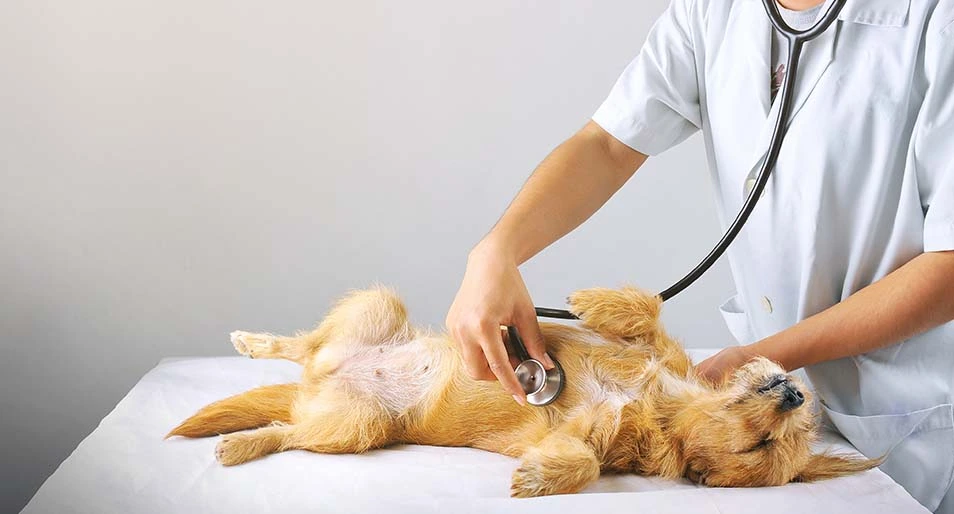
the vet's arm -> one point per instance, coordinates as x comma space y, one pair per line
914, 298
568, 187
571, 184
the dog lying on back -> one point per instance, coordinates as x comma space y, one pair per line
631, 404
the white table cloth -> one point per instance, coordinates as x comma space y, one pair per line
126, 467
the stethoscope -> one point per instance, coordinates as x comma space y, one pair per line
543, 387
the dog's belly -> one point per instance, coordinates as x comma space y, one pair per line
398, 376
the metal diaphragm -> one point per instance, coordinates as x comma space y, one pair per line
542, 386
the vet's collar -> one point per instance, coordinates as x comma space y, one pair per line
882, 13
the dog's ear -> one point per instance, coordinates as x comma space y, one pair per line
827, 465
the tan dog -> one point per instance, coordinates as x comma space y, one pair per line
631, 404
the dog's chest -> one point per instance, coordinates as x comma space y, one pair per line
618, 385
596, 390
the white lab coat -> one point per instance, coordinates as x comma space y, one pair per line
864, 183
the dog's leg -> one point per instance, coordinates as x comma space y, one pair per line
245, 446
628, 313
568, 459
340, 425
335, 421
560, 464
370, 317
270, 346
632, 315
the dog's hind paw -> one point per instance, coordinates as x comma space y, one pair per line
229, 451
253, 345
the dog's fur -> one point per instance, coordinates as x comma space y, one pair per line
632, 402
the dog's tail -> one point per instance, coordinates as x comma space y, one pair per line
251, 409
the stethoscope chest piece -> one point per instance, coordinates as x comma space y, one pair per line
541, 386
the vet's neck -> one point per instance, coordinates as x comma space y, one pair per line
800, 5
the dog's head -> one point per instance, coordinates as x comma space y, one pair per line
757, 430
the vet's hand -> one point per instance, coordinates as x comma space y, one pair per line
720, 366
493, 294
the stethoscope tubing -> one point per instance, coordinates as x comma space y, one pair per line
796, 41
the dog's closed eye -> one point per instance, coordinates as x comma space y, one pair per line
764, 443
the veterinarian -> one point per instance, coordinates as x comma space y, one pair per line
846, 267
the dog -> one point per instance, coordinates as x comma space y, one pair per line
632, 402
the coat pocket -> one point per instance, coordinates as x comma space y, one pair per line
919, 447
736, 320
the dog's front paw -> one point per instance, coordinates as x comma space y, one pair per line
586, 301
626, 312
529, 481
562, 465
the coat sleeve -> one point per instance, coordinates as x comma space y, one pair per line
655, 103
934, 144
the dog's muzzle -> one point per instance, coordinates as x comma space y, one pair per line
791, 397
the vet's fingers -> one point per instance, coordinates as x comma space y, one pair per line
499, 362
703, 369
475, 363
529, 329
514, 360
712, 369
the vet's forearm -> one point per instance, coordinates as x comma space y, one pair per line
914, 298
571, 184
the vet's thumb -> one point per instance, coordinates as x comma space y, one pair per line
529, 329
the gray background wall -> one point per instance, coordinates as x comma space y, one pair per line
171, 171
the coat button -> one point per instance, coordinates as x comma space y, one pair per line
749, 185
767, 304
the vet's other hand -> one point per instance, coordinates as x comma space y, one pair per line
493, 294
720, 366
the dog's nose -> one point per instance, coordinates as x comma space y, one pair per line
791, 398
